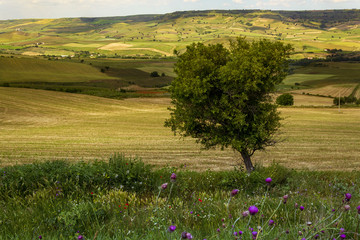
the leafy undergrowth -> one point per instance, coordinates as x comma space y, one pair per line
127, 199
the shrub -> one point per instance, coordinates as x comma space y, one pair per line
285, 99
154, 74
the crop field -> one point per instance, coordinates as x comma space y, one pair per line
39, 125
160, 35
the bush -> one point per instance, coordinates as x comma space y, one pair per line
285, 99
154, 74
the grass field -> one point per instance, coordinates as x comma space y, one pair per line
39, 125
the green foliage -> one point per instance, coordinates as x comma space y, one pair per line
221, 97
285, 99
154, 74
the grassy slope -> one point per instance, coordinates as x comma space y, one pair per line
32, 69
161, 34
327, 79
42, 125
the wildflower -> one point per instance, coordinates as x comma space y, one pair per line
271, 222
189, 236
224, 226
234, 192
164, 186
92, 193
268, 180
191, 212
342, 230
200, 200
40, 237
183, 235
253, 210
342, 236
171, 228
316, 236
240, 233
80, 237
296, 205
254, 234
218, 230
285, 197
308, 223
235, 233
300, 233
173, 177
358, 208
222, 219
287, 231
347, 197
301, 208
347, 207
245, 213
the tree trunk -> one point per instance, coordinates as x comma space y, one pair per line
247, 161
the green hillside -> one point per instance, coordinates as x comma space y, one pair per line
159, 35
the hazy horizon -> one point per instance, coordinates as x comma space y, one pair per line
25, 9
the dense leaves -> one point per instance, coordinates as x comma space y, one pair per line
221, 96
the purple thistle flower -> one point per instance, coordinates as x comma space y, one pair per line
342, 230
271, 222
80, 237
358, 208
40, 237
189, 236
285, 197
173, 177
254, 234
316, 236
235, 233
183, 235
234, 192
253, 210
301, 208
347, 196
218, 230
164, 186
296, 205
171, 228
347, 207
240, 233
245, 213
342, 236
268, 180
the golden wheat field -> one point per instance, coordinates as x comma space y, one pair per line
37, 125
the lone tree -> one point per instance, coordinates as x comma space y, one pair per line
221, 96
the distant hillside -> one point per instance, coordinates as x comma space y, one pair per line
159, 35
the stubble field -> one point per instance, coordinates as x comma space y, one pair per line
39, 125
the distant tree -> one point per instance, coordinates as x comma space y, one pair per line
222, 97
163, 75
285, 99
154, 74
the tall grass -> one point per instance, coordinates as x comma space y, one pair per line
123, 199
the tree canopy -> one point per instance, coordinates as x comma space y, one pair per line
221, 96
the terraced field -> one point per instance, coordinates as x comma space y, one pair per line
39, 125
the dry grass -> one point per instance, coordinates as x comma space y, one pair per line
330, 90
38, 125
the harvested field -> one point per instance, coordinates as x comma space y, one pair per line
39, 125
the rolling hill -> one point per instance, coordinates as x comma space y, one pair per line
159, 35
